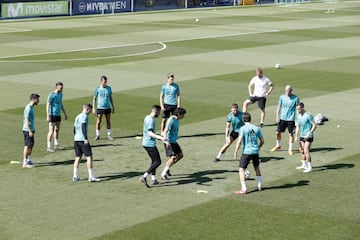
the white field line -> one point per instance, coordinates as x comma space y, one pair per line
162, 43
11, 30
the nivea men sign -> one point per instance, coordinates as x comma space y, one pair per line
81, 7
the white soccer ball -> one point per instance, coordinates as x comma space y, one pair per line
197, 20
247, 174
277, 65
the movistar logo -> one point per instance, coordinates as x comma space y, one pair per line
15, 9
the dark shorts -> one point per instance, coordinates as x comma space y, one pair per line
306, 139
169, 109
246, 158
81, 148
103, 111
54, 119
153, 153
172, 150
290, 125
261, 101
28, 141
234, 135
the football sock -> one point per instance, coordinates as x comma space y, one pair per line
56, 142
259, 181
166, 168
290, 146
153, 177
145, 175
243, 186
48, 144
97, 132
108, 132
75, 172
219, 155
91, 173
277, 142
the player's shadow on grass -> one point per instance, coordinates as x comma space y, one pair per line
333, 166
266, 159
325, 149
300, 183
66, 162
121, 175
200, 135
200, 178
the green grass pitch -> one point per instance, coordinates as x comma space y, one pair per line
213, 61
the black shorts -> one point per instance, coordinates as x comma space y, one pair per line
54, 119
234, 135
246, 158
102, 111
81, 148
290, 125
306, 139
172, 150
168, 109
28, 141
261, 101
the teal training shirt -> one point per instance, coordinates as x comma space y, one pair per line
235, 120
55, 100
172, 125
79, 120
170, 93
250, 138
29, 113
288, 107
103, 95
149, 125
304, 122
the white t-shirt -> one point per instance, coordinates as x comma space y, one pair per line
260, 85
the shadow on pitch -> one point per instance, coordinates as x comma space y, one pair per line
201, 135
335, 166
61, 163
121, 175
200, 178
300, 183
266, 159
325, 149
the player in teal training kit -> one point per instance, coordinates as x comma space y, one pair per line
82, 145
170, 99
252, 139
233, 121
54, 106
105, 106
285, 118
149, 144
29, 129
305, 126
171, 132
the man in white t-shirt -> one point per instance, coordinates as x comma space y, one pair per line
261, 91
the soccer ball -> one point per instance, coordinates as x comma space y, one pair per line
247, 174
197, 20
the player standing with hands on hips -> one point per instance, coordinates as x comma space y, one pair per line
170, 99
54, 106
105, 106
305, 127
260, 83
251, 138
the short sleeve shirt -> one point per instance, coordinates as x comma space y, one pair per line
235, 121
170, 93
172, 125
250, 138
29, 114
103, 95
55, 100
79, 120
149, 125
305, 121
260, 85
288, 107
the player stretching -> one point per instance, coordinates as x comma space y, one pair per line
234, 121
